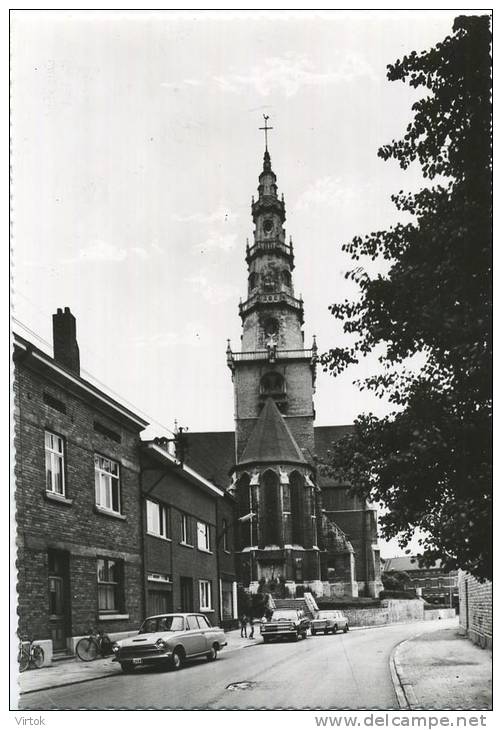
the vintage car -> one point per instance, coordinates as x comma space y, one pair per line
169, 639
329, 621
285, 623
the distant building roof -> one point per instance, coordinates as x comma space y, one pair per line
407, 564
212, 453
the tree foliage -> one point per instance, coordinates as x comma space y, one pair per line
429, 462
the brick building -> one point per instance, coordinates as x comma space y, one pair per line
109, 528
188, 552
475, 609
77, 470
305, 531
433, 583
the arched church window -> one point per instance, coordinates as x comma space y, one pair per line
297, 509
286, 277
253, 280
272, 384
244, 503
271, 327
270, 492
268, 281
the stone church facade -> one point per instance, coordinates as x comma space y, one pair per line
296, 528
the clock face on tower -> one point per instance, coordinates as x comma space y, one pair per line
268, 224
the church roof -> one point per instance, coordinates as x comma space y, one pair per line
212, 453
271, 440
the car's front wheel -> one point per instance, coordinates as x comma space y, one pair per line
213, 654
335, 629
346, 628
177, 659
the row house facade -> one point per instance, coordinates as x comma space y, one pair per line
109, 528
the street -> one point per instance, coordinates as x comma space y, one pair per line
346, 671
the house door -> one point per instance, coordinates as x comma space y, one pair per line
59, 609
186, 585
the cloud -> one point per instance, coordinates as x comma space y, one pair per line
103, 251
217, 242
283, 75
190, 336
222, 214
221, 293
99, 250
288, 74
327, 192
175, 85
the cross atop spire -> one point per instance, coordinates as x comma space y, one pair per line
266, 129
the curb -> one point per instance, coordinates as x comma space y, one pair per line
402, 686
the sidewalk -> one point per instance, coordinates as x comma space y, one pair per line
73, 671
441, 670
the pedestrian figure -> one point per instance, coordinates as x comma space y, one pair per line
251, 625
243, 622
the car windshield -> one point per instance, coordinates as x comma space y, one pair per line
325, 614
161, 623
288, 615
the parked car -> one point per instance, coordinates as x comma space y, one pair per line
329, 621
285, 622
170, 639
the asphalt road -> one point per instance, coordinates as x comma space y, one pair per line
346, 671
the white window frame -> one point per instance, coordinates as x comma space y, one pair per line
205, 595
185, 531
157, 519
105, 481
54, 454
225, 527
203, 536
109, 584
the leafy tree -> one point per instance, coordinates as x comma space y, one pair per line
395, 580
429, 461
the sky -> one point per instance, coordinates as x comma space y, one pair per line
135, 152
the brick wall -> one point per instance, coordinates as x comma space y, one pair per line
72, 527
171, 488
475, 609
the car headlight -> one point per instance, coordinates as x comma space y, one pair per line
115, 647
160, 644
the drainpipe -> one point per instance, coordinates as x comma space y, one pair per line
218, 577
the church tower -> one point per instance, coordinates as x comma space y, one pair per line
274, 476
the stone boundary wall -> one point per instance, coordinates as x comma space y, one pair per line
391, 611
439, 613
475, 609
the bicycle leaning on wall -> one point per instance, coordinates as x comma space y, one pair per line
29, 655
96, 644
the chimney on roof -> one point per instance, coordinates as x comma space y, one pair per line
64, 333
